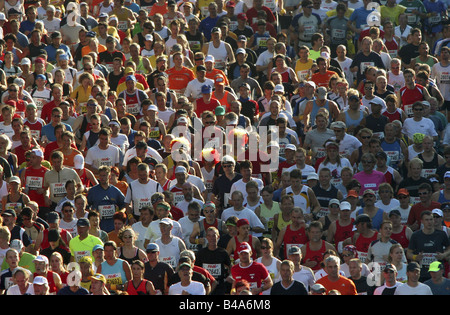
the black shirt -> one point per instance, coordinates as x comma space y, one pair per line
296, 288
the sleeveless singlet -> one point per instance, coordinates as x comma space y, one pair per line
294, 238
140, 290
343, 232
220, 54
114, 274
238, 244
350, 122
401, 237
302, 199
429, 168
316, 256
362, 245
130, 260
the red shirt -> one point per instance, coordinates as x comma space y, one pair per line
255, 274
46, 112
417, 209
294, 238
202, 106
34, 179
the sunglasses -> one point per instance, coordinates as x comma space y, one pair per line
228, 165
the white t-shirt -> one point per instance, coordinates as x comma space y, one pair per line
421, 289
194, 88
243, 214
194, 288
240, 186
425, 126
97, 157
187, 226
154, 231
130, 153
140, 231
348, 144
140, 194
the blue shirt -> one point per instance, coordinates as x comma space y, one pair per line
51, 52
206, 25
98, 197
360, 17
49, 131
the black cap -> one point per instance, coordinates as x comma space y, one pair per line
56, 34
52, 217
9, 213
395, 212
83, 222
412, 266
201, 68
362, 218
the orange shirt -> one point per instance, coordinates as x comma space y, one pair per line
179, 79
86, 49
211, 75
158, 9
323, 79
343, 285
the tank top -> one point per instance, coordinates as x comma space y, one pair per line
16, 206
281, 224
84, 179
393, 151
315, 110
401, 237
269, 214
114, 274
362, 245
376, 220
392, 47
350, 122
130, 260
429, 168
324, 197
220, 55
169, 253
238, 244
50, 279
442, 198
133, 102
393, 116
208, 178
140, 290
389, 175
294, 238
410, 96
316, 256
343, 232
224, 100
302, 199
34, 179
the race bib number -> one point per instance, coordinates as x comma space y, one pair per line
364, 65
34, 182
214, 269
58, 189
80, 254
107, 211
323, 212
338, 34
13, 206
428, 258
123, 26
105, 161
133, 108
428, 172
114, 278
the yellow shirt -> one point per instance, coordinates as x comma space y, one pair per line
123, 86
80, 95
347, 14
392, 13
302, 69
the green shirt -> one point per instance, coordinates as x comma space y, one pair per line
413, 19
80, 248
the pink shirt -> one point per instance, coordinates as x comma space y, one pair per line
369, 181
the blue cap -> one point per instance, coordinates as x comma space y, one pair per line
98, 246
131, 78
152, 247
41, 76
64, 57
206, 89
